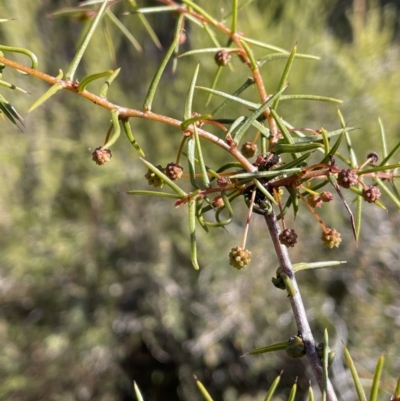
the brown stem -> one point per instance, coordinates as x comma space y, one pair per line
124, 112
297, 304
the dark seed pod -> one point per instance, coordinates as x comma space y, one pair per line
288, 237
174, 171
372, 157
222, 58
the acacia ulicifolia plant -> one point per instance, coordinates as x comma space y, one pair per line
275, 166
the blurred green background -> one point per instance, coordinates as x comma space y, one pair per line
97, 288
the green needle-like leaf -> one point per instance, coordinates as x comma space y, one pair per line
377, 377
192, 231
82, 84
396, 395
388, 192
128, 132
156, 79
11, 86
79, 54
152, 10
292, 394
356, 379
234, 16
296, 147
201, 11
285, 74
203, 390
191, 146
106, 85
137, 392
146, 25
383, 138
47, 95
249, 82
310, 394
230, 97
273, 387
9, 111
249, 121
250, 55
310, 97
325, 365
153, 193
123, 29
265, 45
269, 348
189, 98
117, 129
203, 169
280, 56
390, 154
317, 265
207, 50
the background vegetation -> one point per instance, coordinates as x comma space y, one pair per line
96, 288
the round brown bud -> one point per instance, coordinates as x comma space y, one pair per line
223, 181
288, 237
249, 149
314, 200
174, 171
371, 194
101, 156
239, 258
222, 58
295, 347
153, 179
326, 196
347, 178
331, 238
217, 202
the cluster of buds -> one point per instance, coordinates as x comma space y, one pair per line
153, 179
316, 200
101, 156
347, 178
174, 171
371, 194
239, 257
331, 238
